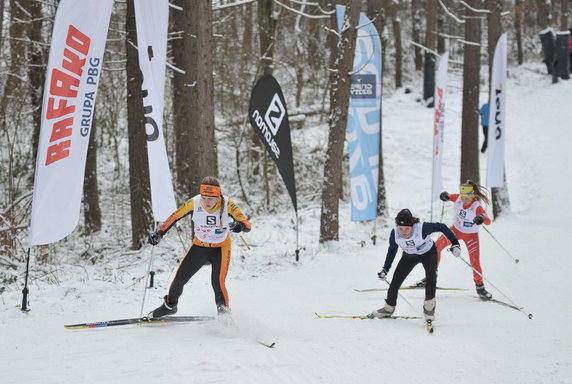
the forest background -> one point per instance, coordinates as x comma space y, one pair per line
217, 51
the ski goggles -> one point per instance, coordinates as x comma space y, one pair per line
467, 191
210, 190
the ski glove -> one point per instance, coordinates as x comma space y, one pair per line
479, 219
455, 250
236, 226
383, 274
155, 237
444, 196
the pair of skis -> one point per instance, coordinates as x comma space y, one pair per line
428, 323
150, 320
410, 287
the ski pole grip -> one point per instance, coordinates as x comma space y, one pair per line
152, 274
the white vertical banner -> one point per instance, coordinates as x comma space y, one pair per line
152, 18
73, 73
497, 116
439, 127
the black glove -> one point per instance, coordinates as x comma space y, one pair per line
236, 226
455, 250
155, 237
444, 196
479, 219
383, 274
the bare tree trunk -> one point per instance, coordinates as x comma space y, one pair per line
182, 84
267, 23
470, 115
1, 25
396, 23
201, 112
441, 47
16, 72
416, 6
543, 13
518, 21
562, 42
36, 74
338, 120
91, 209
140, 194
564, 15
430, 43
247, 35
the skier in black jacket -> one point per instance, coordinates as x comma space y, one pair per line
413, 237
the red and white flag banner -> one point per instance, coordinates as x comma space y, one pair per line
497, 116
73, 73
439, 127
152, 18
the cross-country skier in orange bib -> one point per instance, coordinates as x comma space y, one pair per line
469, 214
214, 217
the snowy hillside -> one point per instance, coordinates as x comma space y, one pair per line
274, 298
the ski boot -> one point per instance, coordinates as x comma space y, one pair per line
225, 317
429, 309
483, 293
386, 311
165, 309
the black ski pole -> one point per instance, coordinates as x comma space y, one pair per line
498, 242
25, 290
529, 315
147, 279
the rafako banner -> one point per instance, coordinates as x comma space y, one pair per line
73, 73
269, 118
364, 119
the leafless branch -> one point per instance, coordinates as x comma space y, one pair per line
450, 13
474, 9
301, 13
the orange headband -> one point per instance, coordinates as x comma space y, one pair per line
210, 190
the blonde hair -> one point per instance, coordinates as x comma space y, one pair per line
480, 191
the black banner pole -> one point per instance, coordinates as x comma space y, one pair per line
25, 290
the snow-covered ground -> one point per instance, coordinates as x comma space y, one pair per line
274, 298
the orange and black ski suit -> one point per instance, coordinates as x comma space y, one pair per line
208, 224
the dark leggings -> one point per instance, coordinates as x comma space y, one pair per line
405, 266
193, 261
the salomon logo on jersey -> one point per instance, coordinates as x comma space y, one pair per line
410, 243
462, 214
211, 220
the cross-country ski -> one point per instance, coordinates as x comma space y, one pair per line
364, 317
138, 320
410, 287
